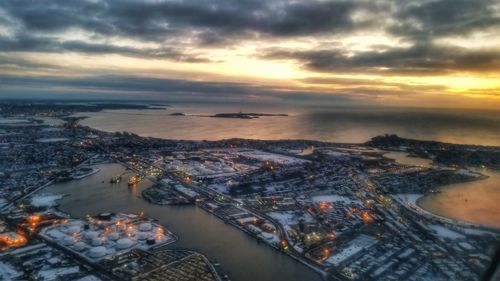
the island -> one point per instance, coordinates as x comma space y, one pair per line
242, 115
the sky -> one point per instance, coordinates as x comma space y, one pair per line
439, 53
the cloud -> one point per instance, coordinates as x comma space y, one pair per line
118, 86
53, 45
16, 63
425, 20
423, 58
180, 27
157, 20
316, 35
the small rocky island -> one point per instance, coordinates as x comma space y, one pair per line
242, 115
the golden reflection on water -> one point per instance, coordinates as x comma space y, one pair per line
336, 125
477, 201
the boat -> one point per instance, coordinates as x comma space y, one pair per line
115, 179
134, 180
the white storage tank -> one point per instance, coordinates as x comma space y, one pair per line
91, 235
68, 241
113, 236
97, 252
146, 226
142, 236
124, 243
96, 242
79, 246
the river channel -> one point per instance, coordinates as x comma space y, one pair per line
242, 257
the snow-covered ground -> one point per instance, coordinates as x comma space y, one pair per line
272, 157
289, 218
6, 121
219, 187
271, 238
336, 154
8, 272
211, 169
44, 200
57, 273
52, 139
89, 278
444, 232
3, 202
468, 173
333, 199
353, 247
408, 198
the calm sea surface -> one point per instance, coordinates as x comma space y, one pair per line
315, 123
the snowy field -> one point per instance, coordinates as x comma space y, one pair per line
44, 200
354, 246
7, 121
211, 169
444, 232
8, 272
290, 218
271, 157
334, 199
44, 140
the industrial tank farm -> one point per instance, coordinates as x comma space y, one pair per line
107, 235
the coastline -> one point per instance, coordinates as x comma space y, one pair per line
415, 206
118, 148
417, 203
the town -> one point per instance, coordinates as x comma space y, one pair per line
346, 211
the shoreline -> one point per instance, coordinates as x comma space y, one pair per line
420, 210
483, 177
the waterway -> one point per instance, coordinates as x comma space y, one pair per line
242, 257
476, 202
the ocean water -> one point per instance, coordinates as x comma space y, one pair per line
336, 124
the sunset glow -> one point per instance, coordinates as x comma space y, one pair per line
411, 52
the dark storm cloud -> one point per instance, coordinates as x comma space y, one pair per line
109, 85
36, 25
52, 45
181, 26
423, 58
130, 83
424, 20
159, 20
